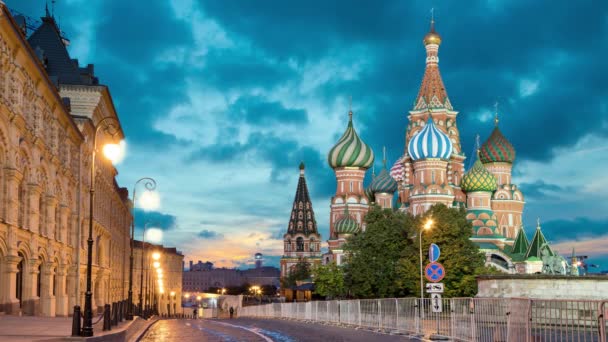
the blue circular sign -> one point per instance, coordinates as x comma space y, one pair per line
434, 272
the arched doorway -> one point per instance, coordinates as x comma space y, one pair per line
19, 280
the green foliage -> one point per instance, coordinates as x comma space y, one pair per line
459, 255
384, 261
374, 257
329, 280
300, 271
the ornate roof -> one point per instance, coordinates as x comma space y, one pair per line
398, 170
538, 243
302, 218
432, 93
521, 244
347, 224
430, 142
383, 182
478, 179
497, 149
350, 150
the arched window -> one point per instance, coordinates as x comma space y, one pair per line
300, 244
19, 279
39, 277
351, 186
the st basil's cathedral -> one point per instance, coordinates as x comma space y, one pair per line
432, 171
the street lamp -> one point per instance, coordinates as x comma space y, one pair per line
150, 185
427, 226
111, 152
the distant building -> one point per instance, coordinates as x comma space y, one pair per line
202, 276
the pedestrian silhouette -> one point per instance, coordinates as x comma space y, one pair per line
231, 312
194, 312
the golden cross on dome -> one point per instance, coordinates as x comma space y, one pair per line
350, 106
477, 144
538, 222
432, 14
384, 155
496, 113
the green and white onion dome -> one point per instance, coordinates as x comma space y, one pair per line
478, 178
346, 224
368, 190
384, 182
351, 151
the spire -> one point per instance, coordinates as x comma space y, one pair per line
302, 218
432, 92
496, 114
384, 156
521, 244
46, 10
538, 244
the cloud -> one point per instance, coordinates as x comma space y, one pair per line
154, 219
528, 87
209, 234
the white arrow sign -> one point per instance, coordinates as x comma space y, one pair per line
434, 287
436, 303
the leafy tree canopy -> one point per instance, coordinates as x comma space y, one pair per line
300, 271
329, 280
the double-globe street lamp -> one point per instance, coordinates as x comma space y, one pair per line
150, 185
111, 152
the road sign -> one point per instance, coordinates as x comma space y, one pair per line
434, 272
434, 287
434, 252
436, 302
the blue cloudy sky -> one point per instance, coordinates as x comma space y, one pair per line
221, 100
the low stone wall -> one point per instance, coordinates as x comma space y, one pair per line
542, 286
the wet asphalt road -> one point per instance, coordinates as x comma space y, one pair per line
265, 330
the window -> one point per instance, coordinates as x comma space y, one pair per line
433, 176
300, 244
351, 186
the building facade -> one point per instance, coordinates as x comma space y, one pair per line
302, 242
45, 154
164, 287
202, 277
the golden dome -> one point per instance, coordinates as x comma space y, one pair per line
432, 37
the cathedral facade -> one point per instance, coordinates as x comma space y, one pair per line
431, 171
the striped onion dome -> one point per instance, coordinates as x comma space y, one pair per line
430, 142
398, 170
350, 151
347, 224
478, 178
368, 190
384, 182
497, 149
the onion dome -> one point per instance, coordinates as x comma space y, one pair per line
398, 170
478, 179
384, 182
432, 37
430, 142
497, 149
368, 191
350, 151
346, 224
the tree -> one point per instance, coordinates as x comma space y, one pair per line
375, 257
459, 255
300, 271
329, 280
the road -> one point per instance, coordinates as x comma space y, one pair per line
264, 330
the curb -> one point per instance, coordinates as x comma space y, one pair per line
138, 337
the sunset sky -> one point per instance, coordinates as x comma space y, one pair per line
221, 100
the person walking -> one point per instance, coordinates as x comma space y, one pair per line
194, 312
231, 312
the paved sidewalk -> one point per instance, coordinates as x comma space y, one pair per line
29, 328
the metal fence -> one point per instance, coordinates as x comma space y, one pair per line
461, 319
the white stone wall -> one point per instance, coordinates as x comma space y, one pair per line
543, 287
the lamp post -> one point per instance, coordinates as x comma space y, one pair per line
150, 185
141, 279
427, 226
108, 123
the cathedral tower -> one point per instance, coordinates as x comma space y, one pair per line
383, 187
350, 158
440, 162
497, 155
302, 240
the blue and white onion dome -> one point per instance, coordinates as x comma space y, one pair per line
430, 142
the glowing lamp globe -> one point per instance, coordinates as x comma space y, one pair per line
115, 152
149, 200
155, 255
154, 235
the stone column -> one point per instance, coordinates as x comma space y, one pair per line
64, 211
13, 178
61, 296
8, 282
47, 298
33, 198
31, 301
50, 203
71, 287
